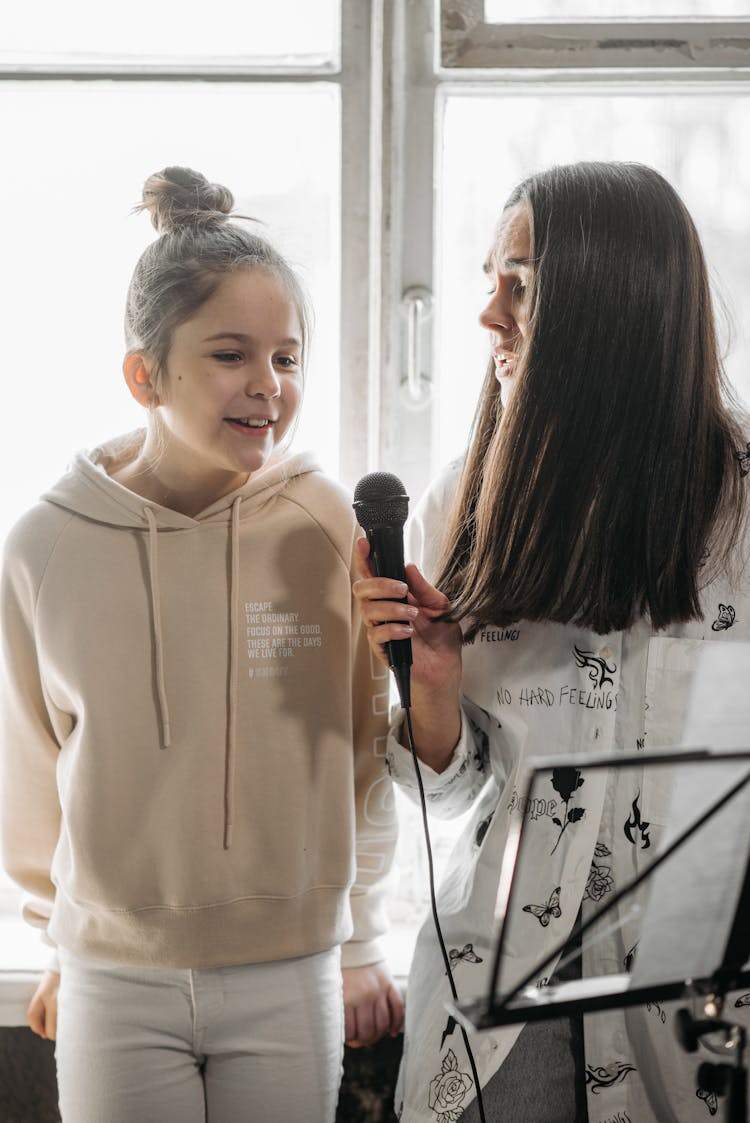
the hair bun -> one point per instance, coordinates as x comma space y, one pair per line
178, 197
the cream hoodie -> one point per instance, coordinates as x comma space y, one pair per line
192, 740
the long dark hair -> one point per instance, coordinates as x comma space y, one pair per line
598, 494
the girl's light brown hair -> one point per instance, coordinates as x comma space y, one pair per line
198, 246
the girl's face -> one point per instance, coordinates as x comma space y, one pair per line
509, 267
233, 380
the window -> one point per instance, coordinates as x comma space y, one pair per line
378, 140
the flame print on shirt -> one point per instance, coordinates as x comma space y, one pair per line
636, 829
598, 668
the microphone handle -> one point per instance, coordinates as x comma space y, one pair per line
387, 560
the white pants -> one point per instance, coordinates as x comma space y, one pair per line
260, 1043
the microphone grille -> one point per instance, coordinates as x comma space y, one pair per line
380, 499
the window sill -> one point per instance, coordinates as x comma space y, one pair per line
23, 957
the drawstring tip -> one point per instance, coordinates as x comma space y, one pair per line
227, 836
166, 736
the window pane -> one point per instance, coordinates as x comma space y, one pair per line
76, 157
502, 11
289, 32
699, 141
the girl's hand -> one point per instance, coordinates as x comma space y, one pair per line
373, 1004
436, 646
42, 1011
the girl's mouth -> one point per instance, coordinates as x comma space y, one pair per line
258, 425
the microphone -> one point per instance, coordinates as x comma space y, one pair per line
381, 506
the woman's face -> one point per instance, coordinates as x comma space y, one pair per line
509, 267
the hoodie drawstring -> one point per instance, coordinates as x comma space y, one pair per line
231, 736
234, 615
153, 575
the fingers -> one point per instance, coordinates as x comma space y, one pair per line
42, 1010
424, 593
35, 1016
368, 1023
396, 1010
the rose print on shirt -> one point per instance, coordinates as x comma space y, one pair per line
544, 913
448, 1090
599, 669
725, 619
566, 781
599, 882
635, 826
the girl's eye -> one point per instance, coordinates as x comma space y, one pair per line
287, 361
228, 356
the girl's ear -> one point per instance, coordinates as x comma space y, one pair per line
137, 370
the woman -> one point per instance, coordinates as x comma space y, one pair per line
595, 539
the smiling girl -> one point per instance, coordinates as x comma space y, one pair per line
190, 746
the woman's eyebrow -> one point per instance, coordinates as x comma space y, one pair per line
508, 263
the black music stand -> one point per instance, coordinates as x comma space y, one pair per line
719, 959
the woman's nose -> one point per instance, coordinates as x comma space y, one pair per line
496, 315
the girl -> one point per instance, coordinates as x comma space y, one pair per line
596, 538
190, 742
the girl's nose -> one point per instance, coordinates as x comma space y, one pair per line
263, 383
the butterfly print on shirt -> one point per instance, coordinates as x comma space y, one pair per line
545, 913
725, 619
599, 669
465, 955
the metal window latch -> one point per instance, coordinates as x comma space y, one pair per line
416, 309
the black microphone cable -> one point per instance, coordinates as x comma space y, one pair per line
433, 907
381, 505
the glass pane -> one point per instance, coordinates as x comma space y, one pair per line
77, 155
288, 32
699, 141
502, 11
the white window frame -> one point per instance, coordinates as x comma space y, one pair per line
436, 47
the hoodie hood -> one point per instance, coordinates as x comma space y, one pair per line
89, 491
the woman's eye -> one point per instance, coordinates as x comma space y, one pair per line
228, 356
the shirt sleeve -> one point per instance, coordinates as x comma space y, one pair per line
29, 806
451, 792
376, 826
